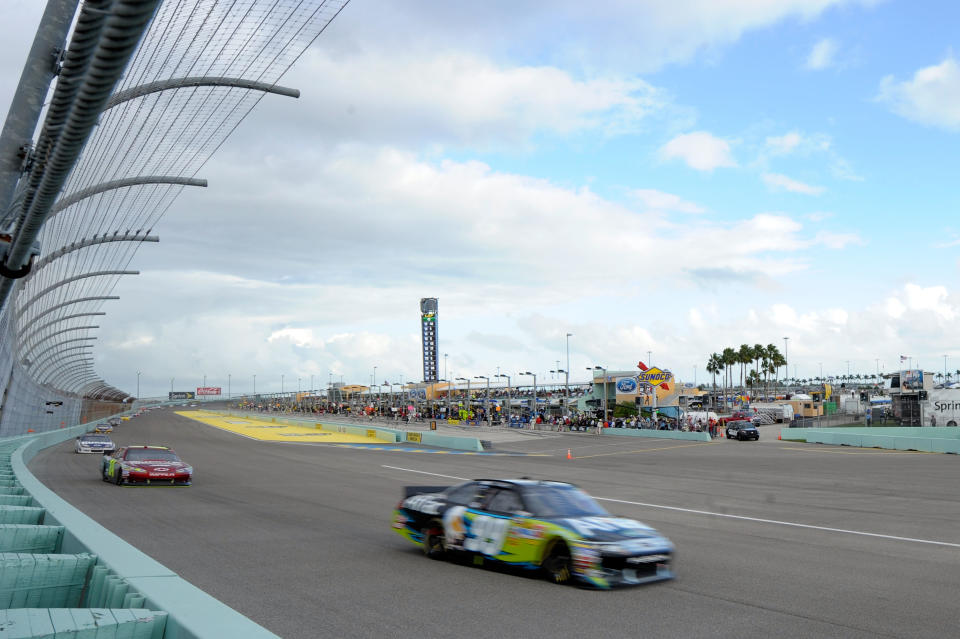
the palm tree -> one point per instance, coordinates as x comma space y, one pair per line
757, 353
744, 357
729, 358
714, 366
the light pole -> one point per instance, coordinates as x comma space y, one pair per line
171, 383
445, 366
509, 400
944, 371
138, 379
566, 386
228, 386
281, 384
601, 368
204, 385
566, 381
374, 382
649, 362
486, 400
533, 409
467, 380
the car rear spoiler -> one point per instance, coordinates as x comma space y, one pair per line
410, 491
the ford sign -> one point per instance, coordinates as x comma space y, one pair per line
626, 385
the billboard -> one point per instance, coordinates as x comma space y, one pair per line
181, 395
911, 380
208, 390
626, 385
655, 377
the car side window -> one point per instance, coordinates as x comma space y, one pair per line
466, 494
505, 500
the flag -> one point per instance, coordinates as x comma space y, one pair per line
903, 358
642, 366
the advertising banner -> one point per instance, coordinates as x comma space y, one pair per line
181, 395
626, 385
208, 390
911, 380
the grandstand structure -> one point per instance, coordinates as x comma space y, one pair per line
120, 105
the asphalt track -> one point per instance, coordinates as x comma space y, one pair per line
774, 539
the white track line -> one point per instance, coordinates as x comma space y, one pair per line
728, 516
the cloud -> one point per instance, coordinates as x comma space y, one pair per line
655, 200
931, 97
778, 182
454, 98
700, 150
822, 55
635, 37
837, 240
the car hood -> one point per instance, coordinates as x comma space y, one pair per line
608, 528
154, 465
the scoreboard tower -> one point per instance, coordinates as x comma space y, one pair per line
428, 337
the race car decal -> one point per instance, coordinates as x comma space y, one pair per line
427, 504
486, 534
588, 526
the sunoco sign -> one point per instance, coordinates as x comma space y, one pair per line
654, 376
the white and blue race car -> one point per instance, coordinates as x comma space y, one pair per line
94, 443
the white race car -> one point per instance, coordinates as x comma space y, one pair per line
94, 443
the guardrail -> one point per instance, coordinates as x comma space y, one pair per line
122, 577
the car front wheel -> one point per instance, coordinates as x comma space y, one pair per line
557, 565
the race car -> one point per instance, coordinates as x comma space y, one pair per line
742, 429
103, 428
146, 465
94, 443
551, 526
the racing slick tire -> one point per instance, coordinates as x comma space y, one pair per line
118, 480
434, 542
558, 565
103, 474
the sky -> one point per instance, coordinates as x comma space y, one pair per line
659, 179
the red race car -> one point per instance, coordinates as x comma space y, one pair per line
147, 465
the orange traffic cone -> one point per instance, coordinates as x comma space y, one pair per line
569, 456
778, 437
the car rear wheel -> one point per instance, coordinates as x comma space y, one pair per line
119, 478
434, 542
557, 565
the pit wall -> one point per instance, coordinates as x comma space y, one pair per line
925, 439
192, 613
658, 434
390, 435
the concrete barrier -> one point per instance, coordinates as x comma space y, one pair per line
429, 438
658, 434
193, 614
925, 439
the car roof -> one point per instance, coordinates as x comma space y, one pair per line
525, 481
147, 446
